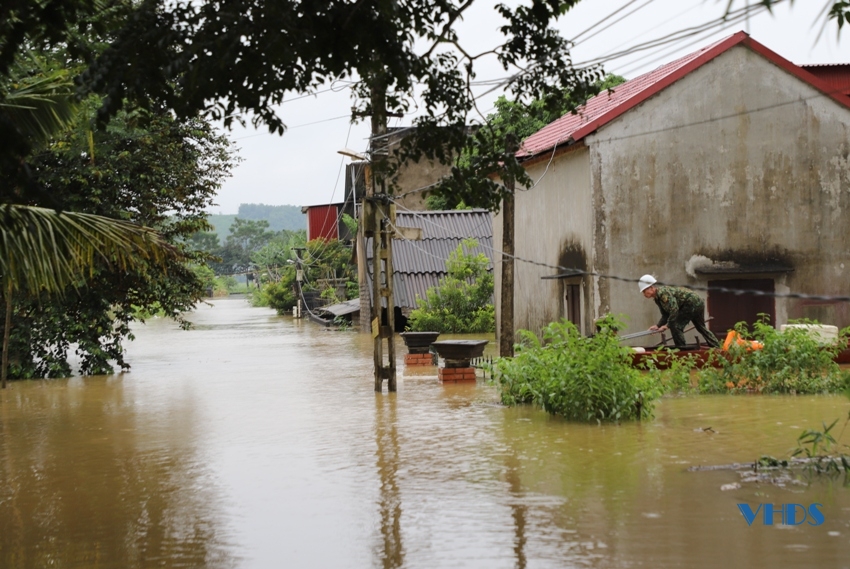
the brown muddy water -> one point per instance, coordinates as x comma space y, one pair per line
256, 441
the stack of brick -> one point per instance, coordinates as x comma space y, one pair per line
419, 359
456, 374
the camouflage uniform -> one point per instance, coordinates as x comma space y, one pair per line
679, 306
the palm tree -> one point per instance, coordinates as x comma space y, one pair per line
42, 251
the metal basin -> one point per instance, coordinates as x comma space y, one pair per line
419, 342
460, 349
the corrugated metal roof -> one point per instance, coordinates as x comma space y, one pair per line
419, 265
342, 308
609, 105
836, 75
429, 255
456, 223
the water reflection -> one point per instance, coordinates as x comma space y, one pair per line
391, 550
88, 481
518, 508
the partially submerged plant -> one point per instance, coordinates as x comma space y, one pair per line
821, 450
580, 378
675, 376
792, 361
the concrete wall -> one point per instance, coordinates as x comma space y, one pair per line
413, 176
553, 226
738, 161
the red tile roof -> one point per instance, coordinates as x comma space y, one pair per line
609, 105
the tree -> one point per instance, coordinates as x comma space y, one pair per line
278, 253
462, 302
246, 238
174, 52
44, 253
326, 266
146, 168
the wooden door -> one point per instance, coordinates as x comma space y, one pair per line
727, 308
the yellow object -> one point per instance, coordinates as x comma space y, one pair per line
734, 338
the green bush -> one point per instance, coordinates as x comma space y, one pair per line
790, 362
579, 378
461, 303
279, 295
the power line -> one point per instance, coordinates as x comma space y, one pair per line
348, 116
622, 17
574, 271
672, 38
679, 35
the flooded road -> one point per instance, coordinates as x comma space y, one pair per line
256, 441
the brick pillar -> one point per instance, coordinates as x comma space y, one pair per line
419, 360
456, 374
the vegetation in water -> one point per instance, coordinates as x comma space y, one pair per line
679, 374
823, 453
462, 301
794, 361
580, 378
327, 272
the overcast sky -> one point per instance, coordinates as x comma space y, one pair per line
302, 167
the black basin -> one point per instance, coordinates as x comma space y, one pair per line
419, 342
460, 349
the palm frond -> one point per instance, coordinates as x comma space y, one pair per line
43, 251
40, 106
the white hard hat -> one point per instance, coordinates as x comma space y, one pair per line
645, 282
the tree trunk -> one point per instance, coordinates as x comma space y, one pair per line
506, 314
7, 329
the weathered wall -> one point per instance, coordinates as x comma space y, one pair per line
413, 176
739, 160
553, 226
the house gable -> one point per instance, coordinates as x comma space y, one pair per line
609, 105
739, 161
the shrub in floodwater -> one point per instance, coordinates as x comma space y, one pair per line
579, 378
793, 361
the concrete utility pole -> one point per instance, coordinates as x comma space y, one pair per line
299, 277
506, 314
377, 220
378, 215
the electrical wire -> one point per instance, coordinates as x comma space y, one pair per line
621, 18
603, 20
574, 271
348, 116
333, 194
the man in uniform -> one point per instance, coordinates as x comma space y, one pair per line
678, 306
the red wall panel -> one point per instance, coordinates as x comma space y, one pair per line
322, 222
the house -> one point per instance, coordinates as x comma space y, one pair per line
325, 221
725, 169
421, 264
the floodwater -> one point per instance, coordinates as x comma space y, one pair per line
256, 441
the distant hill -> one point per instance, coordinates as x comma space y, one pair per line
278, 216
222, 224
